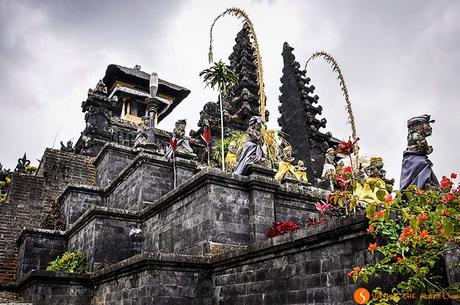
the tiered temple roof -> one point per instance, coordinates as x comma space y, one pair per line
242, 100
299, 111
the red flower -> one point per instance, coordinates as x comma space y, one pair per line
422, 218
400, 259
442, 231
451, 197
429, 239
445, 182
280, 228
346, 148
372, 247
388, 198
347, 170
421, 192
453, 176
370, 229
379, 214
423, 234
206, 135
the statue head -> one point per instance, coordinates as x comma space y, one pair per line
330, 156
179, 130
421, 124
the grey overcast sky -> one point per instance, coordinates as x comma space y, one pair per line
399, 58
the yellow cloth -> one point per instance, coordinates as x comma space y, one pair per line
301, 176
364, 191
230, 160
283, 168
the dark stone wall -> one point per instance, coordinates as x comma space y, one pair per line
37, 248
159, 285
77, 200
111, 161
56, 288
202, 213
313, 269
106, 237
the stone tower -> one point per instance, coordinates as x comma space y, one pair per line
242, 99
299, 111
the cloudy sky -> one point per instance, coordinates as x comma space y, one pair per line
399, 58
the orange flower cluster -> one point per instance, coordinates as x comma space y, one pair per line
356, 270
379, 214
372, 247
407, 231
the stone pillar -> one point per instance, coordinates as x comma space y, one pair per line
152, 110
261, 207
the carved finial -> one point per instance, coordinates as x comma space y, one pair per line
137, 67
22, 164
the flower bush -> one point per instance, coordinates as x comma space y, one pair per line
411, 231
280, 228
4, 185
73, 262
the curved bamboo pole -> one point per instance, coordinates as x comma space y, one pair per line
336, 68
239, 13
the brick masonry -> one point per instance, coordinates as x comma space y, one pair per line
30, 199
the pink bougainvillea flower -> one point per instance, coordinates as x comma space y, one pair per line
453, 176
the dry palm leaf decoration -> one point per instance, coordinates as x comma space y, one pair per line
351, 118
239, 13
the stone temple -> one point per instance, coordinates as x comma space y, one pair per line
202, 241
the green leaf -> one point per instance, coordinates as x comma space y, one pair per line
381, 195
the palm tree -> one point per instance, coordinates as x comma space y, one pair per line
221, 76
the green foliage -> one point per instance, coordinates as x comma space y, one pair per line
217, 150
219, 75
30, 169
412, 231
73, 262
4, 186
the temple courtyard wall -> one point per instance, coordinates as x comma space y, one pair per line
201, 242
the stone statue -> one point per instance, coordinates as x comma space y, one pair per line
329, 167
416, 167
230, 158
68, 147
253, 152
183, 144
286, 168
375, 168
142, 134
300, 171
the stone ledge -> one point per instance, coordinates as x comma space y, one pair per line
106, 212
52, 277
144, 260
39, 233
113, 146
